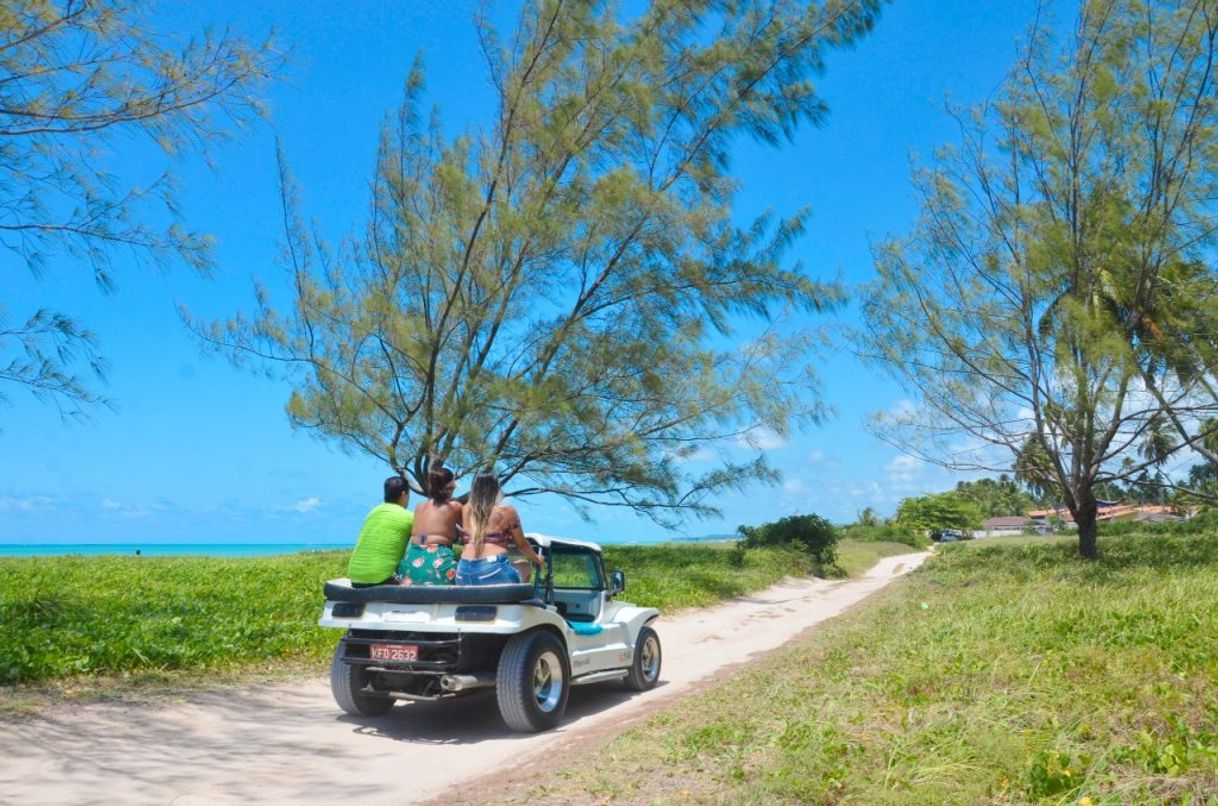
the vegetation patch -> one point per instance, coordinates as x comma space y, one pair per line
1004, 673
107, 619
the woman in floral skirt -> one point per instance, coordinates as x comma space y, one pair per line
429, 558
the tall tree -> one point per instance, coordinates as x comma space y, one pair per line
74, 75
556, 295
1053, 304
994, 497
950, 510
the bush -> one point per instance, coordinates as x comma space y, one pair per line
885, 533
810, 533
942, 511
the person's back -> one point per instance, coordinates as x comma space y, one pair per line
383, 537
436, 522
430, 559
492, 530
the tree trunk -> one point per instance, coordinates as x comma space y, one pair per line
1085, 517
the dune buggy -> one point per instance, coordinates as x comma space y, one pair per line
530, 642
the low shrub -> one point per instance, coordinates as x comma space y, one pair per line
810, 533
885, 533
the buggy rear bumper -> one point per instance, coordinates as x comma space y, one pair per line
340, 590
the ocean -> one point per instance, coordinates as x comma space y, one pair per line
165, 549
244, 549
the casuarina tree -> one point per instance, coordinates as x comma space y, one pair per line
558, 294
1053, 308
74, 77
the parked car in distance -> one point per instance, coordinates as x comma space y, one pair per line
949, 535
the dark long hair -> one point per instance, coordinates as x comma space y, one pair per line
483, 495
438, 479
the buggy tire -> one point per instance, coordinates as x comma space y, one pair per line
533, 681
347, 683
645, 670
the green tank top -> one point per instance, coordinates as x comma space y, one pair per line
381, 544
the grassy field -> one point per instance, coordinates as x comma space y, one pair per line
72, 618
1008, 672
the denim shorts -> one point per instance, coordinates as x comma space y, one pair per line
497, 570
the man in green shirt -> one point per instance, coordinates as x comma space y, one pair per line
383, 538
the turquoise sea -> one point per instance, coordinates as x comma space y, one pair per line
165, 549
243, 549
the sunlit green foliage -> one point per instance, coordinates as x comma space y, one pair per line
995, 497
810, 533
62, 616
558, 293
1005, 671
695, 576
66, 616
888, 532
950, 510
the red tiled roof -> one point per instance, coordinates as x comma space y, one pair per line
1107, 513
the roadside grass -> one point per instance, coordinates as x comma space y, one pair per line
1013, 673
855, 557
101, 624
74, 616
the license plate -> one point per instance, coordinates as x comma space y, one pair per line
400, 652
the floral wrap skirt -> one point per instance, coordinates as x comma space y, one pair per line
428, 565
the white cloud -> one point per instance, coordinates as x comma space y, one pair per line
761, 438
307, 504
906, 474
816, 457
903, 409
793, 486
696, 455
903, 467
25, 503
303, 506
112, 507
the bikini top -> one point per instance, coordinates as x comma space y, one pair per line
503, 537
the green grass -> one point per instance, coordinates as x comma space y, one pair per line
676, 576
1013, 673
855, 557
71, 618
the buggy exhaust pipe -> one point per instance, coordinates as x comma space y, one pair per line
465, 682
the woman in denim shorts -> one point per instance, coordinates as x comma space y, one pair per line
490, 531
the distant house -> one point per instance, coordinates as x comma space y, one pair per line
1112, 511
1010, 525
1161, 514
1006, 523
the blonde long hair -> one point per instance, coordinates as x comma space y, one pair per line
483, 496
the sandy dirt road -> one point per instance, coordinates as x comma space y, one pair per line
289, 743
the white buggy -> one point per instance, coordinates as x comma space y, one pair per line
531, 642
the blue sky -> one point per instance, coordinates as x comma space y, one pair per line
198, 450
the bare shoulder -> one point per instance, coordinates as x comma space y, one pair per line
507, 512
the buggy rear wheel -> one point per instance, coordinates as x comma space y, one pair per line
533, 681
347, 682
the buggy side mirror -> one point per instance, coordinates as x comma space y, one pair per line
618, 582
